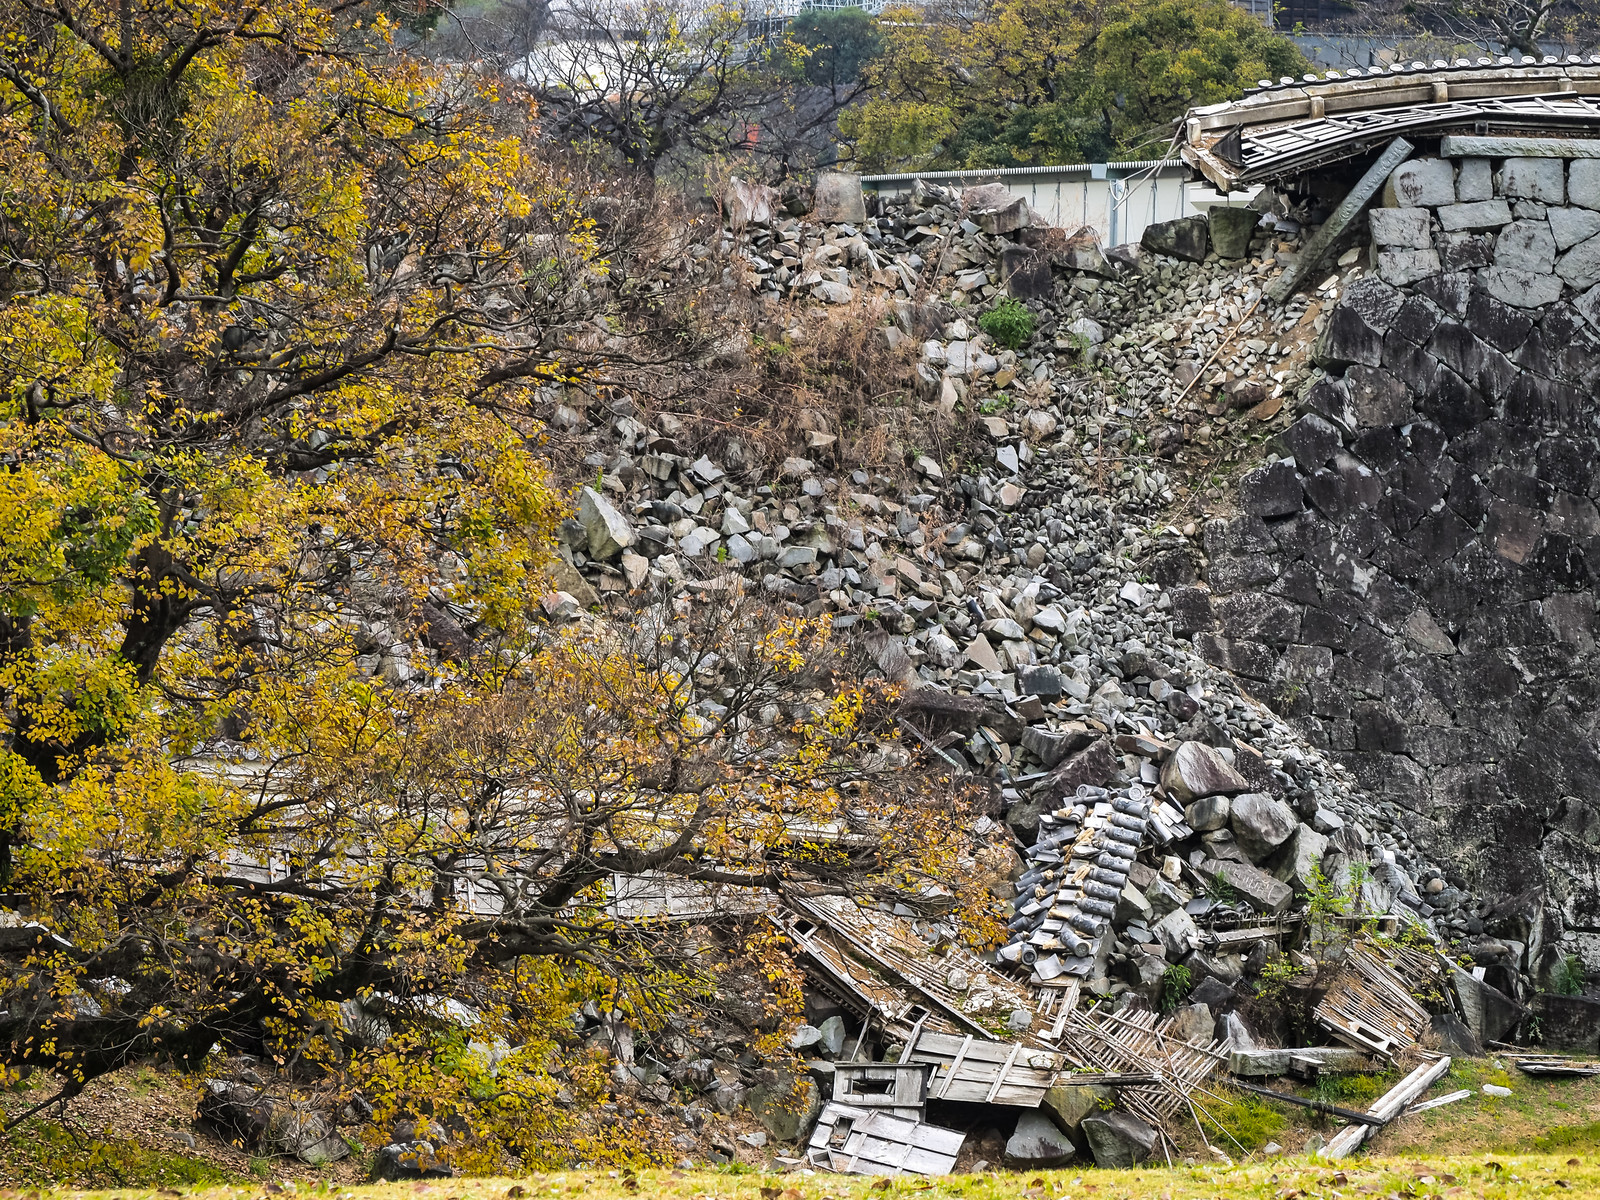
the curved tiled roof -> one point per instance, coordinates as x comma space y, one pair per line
1283, 128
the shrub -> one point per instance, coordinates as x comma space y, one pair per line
1175, 985
1010, 323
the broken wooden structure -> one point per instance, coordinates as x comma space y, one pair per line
1370, 1003
854, 1140
899, 1088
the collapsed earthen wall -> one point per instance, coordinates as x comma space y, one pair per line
1413, 582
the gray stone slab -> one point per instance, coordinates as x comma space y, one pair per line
1583, 183
1475, 217
1262, 1064
1475, 180
1402, 267
1404, 227
1526, 246
1256, 888
1468, 145
1521, 288
1534, 179
1573, 225
1580, 266
1422, 183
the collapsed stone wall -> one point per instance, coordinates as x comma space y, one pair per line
1412, 583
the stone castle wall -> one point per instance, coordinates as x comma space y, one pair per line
1413, 581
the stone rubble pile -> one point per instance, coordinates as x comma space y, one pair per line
1027, 600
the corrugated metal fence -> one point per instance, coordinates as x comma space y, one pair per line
1117, 199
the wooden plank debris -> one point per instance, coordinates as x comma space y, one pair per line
1555, 1064
853, 1140
980, 1071
1140, 1042
1369, 1004
1439, 1101
881, 953
1390, 1105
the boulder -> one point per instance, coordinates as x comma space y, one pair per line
1541, 179
1038, 1142
838, 199
1208, 813
1260, 824
1403, 267
1068, 1105
409, 1160
1092, 765
1004, 218
1490, 1013
1526, 246
1193, 1023
1186, 238
237, 1113
1410, 228
1475, 179
1483, 216
1177, 933
1449, 1033
1299, 857
834, 1035
787, 1107
1232, 229
1196, 770
1583, 182
1050, 746
1580, 266
1118, 1139
1311, 441
1568, 1023
607, 531
1529, 290
1355, 329
1026, 273
1573, 225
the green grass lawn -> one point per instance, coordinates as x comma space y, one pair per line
1507, 1177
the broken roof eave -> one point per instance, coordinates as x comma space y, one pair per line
1286, 128
1317, 142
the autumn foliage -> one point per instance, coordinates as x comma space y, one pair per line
284, 730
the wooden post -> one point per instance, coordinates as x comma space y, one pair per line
1349, 209
1393, 1102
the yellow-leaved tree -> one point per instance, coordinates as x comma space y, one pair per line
287, 752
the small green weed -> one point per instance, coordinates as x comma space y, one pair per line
1010, 323
1220, 890
1176, 983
